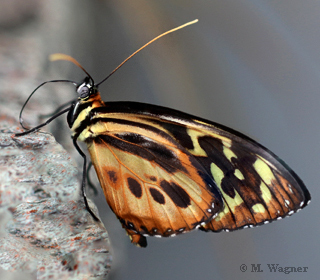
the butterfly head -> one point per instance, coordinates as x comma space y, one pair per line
86, 88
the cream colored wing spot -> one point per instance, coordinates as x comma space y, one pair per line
238, 174
264, 171
222, 214
196, 134
209, 128
258, 208
197, 150
266, 194
228, 153
218, 175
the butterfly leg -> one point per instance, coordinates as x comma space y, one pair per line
90, 184
84, 174
56, 111
40, 125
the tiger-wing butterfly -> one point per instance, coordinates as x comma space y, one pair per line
165, 172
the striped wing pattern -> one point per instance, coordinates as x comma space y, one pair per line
151, 182
165, 172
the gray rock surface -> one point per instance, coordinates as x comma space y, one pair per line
45, 228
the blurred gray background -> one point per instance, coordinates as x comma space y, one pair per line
250, 65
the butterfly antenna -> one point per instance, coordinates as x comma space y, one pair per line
61, 56
55, 57
25, 103
156, 38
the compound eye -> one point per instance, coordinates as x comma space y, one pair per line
83, 91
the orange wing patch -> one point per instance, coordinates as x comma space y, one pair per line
153, 189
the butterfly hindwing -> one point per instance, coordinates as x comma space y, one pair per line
255, 185
151, 182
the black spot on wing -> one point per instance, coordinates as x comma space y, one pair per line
157, 196
177, 194
112, 176
134, 187
153, 178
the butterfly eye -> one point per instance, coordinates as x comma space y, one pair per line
83, 90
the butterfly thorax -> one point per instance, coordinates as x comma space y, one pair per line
81, 116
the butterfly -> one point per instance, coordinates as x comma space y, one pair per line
164, 172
